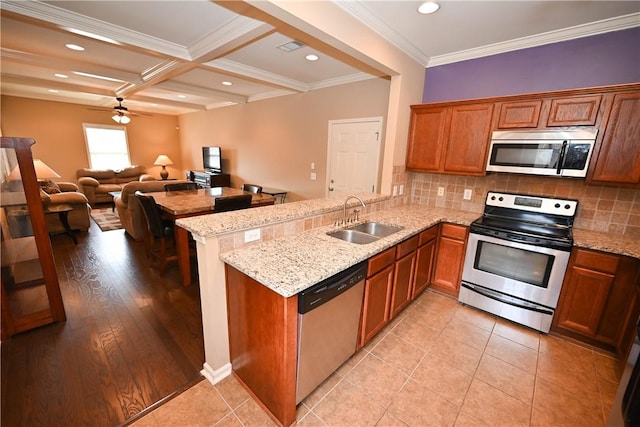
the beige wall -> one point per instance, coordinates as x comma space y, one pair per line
57, 129
273, 142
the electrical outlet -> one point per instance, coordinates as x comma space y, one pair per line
440, 191
401, 191
313, 176
395, 190
467, 194
252, 235
313, 165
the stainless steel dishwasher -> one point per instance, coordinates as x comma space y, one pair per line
328, 320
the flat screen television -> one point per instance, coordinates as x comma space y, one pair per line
212, 159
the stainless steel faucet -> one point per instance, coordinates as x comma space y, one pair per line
344, 209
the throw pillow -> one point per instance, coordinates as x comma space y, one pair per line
50, 187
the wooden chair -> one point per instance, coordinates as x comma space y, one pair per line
252, 188
232, 203
159, 233
181, 186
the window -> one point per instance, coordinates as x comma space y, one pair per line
107, 146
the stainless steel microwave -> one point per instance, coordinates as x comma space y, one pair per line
544, 152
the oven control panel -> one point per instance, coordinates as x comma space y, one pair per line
545, 205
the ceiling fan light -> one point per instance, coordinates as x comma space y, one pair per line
428, 7
121, 118
124, 120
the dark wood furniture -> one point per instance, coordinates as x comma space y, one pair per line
62, 211
453, 137
232, 203
182, 204
30, 290
252, 188
159, 233
206, 179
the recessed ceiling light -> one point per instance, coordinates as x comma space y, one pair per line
53, 91
61, 76
182, 96
428, 7
312, 57
74, 46
227, 83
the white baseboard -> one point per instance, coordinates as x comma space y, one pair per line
216, 375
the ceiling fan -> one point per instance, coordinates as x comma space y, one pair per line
120, 112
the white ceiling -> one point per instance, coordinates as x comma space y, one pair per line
171, 57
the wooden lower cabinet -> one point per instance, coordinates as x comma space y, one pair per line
447, 272
425, 255
377, 295
595, 298
403, 275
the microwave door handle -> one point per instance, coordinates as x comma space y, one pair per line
563, 152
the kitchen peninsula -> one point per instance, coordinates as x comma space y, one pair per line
295, 253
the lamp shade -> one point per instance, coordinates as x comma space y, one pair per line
42, 171
163, 160
121, 118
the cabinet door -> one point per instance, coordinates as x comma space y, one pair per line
426, 138
619, 157
377, 300
523, 114
574, 111
447, 272
585, 295
402, 281
468, 139
424, 266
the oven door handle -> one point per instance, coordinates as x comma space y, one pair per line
507, 299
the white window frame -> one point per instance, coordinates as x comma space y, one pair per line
86, 126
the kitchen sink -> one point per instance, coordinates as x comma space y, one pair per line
353, 236
364, 233
376, 229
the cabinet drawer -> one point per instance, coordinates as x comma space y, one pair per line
427, 235
596, 261
407, 247
454, 231
380, 261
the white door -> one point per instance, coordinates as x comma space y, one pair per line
353, 156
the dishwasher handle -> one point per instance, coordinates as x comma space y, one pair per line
330, 288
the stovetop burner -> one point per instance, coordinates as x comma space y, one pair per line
535, 220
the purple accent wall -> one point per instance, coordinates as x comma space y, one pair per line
604, 59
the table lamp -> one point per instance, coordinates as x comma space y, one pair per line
43, 172
163, 160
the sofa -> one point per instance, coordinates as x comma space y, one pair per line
51, 195
129, 209
68, 194
97, 184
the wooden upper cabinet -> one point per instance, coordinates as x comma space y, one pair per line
468, 139
449, 139
426, 137
525, 114
574, 111
618, 159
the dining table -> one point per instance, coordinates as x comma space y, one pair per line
185, 203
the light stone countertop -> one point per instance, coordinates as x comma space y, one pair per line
213, 224
291, 264
606, 242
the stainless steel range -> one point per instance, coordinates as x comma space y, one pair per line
517, 256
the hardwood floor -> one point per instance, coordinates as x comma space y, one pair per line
132, 337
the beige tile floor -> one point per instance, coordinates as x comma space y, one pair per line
437, 364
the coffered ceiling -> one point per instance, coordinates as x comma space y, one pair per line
175, 57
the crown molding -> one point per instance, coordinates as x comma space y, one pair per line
364, 15
64, 19
571, 33
257, 74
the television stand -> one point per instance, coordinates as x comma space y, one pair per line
206, 179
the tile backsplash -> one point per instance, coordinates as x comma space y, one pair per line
601, 208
